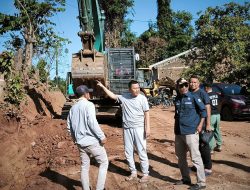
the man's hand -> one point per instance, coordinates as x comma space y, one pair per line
208, 126
147, 132
199, 128
99, 83
103, 141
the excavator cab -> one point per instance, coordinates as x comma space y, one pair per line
147, 81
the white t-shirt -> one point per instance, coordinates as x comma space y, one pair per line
133, 109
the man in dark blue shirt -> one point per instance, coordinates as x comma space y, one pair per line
204, 147
190, 114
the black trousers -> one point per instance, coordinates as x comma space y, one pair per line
205, 155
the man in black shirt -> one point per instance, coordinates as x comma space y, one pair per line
215, 118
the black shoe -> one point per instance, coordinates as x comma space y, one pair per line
197, 187
183, 182
218, 148
193, 168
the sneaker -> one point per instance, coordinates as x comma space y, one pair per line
208, 172
218, 148
144, 179
183, 182
197, 187
133, 176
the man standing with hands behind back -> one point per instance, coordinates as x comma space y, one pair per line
88, 136
136, 126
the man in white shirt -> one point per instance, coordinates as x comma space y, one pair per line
136, 126
88, 136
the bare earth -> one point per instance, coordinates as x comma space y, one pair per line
41, 155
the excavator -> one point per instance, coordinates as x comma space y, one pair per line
114, 67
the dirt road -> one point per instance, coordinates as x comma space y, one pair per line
41, 155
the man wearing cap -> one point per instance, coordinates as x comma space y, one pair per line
189, 116
136, 127
88, 136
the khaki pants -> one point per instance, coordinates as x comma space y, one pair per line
183, 143
100, 155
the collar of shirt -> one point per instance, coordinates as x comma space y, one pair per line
82, 98
188, 94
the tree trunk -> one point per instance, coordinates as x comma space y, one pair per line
28, 54
29, 42
19, 60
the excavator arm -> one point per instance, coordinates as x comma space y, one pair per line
91, 19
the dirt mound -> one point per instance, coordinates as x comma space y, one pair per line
24, 138
46, 103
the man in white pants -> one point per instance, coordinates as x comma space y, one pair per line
135, 117
88, 136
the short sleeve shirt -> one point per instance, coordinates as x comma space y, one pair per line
203, 96
214, 101
133, 109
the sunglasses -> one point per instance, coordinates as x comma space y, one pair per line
183, 85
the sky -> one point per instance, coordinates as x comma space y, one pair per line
143, 12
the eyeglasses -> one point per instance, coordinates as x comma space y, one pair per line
183, 85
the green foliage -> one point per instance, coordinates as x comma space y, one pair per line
14, 84
115, 22
60, 83
6, 62
223, 39
43, 73
115, 12
181, 33
15, 89
128, 38
32, 25
164, 19
174, 35
14, 43
32, 72
149, 46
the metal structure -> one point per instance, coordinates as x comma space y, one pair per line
114, 67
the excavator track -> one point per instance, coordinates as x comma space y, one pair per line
66, 108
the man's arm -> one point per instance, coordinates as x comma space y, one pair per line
208, 121
203, 113
107, 91
207, 102
147, 124
94, 126
199, 128
69, 128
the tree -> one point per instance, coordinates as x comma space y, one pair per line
115, 13
223, 40
43, 73
149, 45
181, 33
164, 19
32, 21
128, 38
59, 83
174, 34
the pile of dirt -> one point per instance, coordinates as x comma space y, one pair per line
24, 138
